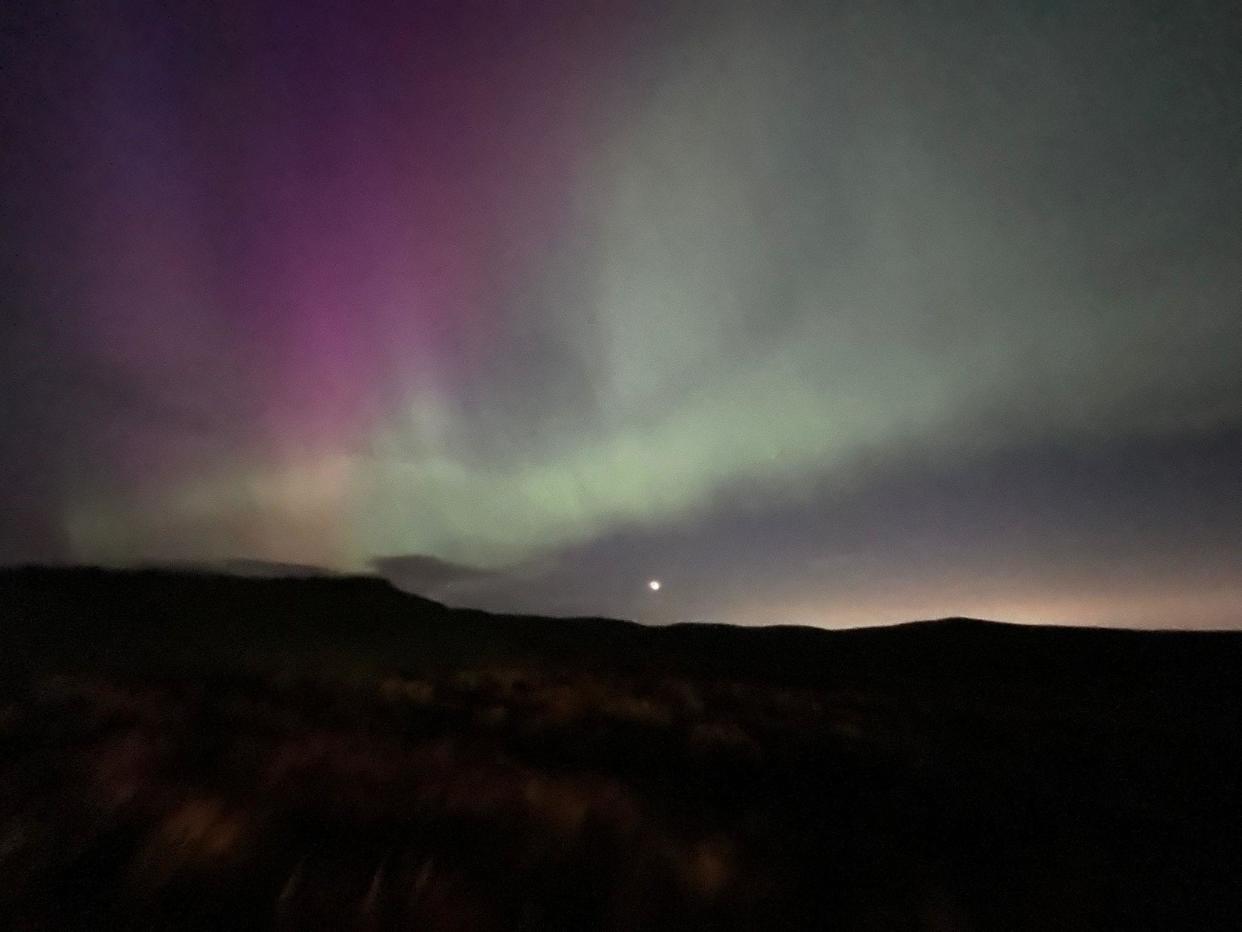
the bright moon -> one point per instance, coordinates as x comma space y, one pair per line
654, 585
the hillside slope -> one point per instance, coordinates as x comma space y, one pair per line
197, 751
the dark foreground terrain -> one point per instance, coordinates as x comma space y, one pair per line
205, 752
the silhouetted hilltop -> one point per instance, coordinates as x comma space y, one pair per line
195, 750
161, 616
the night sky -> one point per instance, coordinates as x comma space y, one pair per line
817, 313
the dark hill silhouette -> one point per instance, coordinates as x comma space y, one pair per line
158, 615
196, 750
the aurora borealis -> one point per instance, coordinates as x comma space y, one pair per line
816, 313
